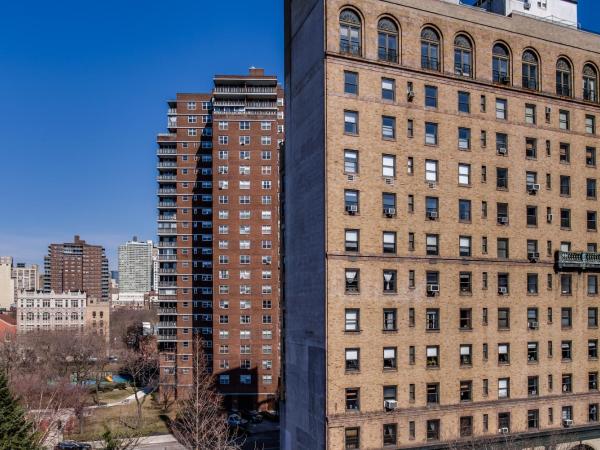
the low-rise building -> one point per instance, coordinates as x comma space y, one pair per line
8, 326
50, 311
129, 300
97, 317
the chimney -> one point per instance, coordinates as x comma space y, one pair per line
257, 72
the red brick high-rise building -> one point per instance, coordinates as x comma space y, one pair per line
218, 227
77, 266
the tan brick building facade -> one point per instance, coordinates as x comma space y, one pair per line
449, 165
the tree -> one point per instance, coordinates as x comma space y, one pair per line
201, 422
16, 432
112, 440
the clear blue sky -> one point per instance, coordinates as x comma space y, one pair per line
83, 86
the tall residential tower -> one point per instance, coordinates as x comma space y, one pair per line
135, 266
218, 227
441, 226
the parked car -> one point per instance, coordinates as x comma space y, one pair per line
72, 445
253, 416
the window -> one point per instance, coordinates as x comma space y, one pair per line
530, 148
464, 102
501, 109
503, 318
433, 393
431, 171
350, 34
565, 185
389, 204
464, 245
410, 129
530, 114
351, 83
389, 242
503, 353
352, 320
431, 96
463, 56
352, 438
563, 78
565, 218
433, 359
592, 317
591, 221
432, 319
431, 133
350, 161
464, 138
564, 122
592, 284
352, 242
590, 124
532, 286
532, 352
387, 40
466, 357
389, 281
531, 216
500, 64
431, 208
530, 70
567, 383
389, 358
352, 399
566, 318
590, 83
464, 210
432, 245
502, 248
465, 319
533, 419
430, 49
590, 156
390, 434
388, 127
503, 388
389, 320
388, 89
502, 144
593, 348
350, 122
352, 279
388, 166
564, 153
351, 201
464, 174
433, 430
593, 381
501, 178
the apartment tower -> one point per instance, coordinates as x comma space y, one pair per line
77, 267
135, 266
218, 229
441, 225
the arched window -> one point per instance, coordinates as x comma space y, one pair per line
563, 77
530, 70
387, 40
350, 32
463, 56
430, 49
590, 83
500, 64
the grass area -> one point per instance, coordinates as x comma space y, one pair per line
121, 419
114, 396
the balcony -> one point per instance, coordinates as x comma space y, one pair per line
166, 337
167, 257
166, 324
167, 191
166, 164
244, 90
166, 177
167, 205
167, 244
167, 271
171, 218
163, 231
166, 151
578, 260
167, 310
167, 284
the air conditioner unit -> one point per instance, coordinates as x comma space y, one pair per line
503, 430
502, 290
502, 150
410, 94
431, 184
390, 405
549, 218
389, 211
533, 256
567, 422
533, 325
352, 208
431, 215
351, 178
533, 187
433, 288
503, 220
389, 181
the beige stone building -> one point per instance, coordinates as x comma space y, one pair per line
97, 317
7, 283
50, 311
440, 227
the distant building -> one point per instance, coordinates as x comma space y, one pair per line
26, 277
50, 311
135, 266
8, 327
77, 266
97, 317
129, 300
7, 284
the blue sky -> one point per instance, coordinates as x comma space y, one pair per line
83, 86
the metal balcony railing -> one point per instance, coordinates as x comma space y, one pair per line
167, 218
167, 151
167, 244
578, 260
166, 337
563, 90
166, 177
167, 324
350, 48
389, 55
430, 63
166, 164
167, 310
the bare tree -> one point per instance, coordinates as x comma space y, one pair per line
119, 440
166, 398
201, 422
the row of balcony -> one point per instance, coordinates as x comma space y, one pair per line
578, 260
245, 90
